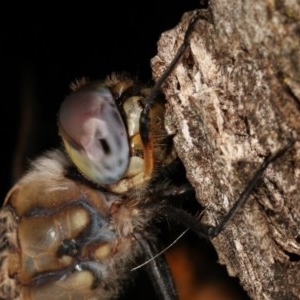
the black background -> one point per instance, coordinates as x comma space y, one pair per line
46, 46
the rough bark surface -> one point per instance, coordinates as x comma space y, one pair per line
233, 99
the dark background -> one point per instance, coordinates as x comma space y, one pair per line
45, 48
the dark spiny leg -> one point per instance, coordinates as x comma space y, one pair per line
145, 118
182, 217
159, 272
212, 232
205, 231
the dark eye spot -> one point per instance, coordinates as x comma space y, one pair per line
105, 146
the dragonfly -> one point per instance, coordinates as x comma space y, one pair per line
84, 216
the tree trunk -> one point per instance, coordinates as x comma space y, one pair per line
233, 99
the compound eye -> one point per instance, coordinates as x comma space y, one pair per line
94, 135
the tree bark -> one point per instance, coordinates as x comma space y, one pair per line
233, 99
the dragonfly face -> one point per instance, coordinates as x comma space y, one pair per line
66, 236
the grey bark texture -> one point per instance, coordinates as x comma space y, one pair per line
233, 99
